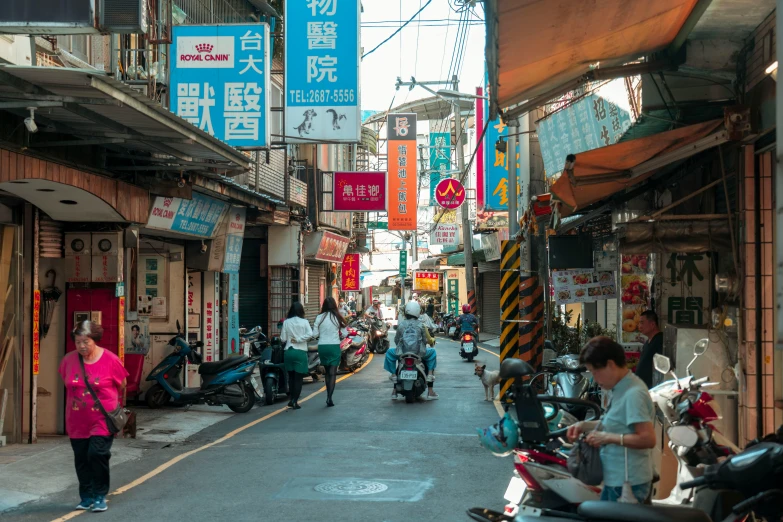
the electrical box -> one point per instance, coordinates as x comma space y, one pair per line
78, 262
107, 257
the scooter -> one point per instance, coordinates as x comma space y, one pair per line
411, 377
274, 376
226, 382
353, 351
468, 346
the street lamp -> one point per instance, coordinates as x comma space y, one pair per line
448, 93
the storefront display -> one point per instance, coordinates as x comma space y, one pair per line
583, 286
635, 283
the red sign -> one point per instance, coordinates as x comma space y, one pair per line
36, 331
351, 270
121, 331
450, 193
332, 247
359, 191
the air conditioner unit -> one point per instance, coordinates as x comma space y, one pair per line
123, 16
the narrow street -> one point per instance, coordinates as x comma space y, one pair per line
368, 458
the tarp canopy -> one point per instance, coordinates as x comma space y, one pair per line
534, 46
676, 236
600, 173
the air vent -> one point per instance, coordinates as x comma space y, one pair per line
123, 16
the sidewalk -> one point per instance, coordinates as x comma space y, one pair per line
32, 471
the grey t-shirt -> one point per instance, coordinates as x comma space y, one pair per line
630, 404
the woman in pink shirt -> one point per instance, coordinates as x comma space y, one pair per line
85, 424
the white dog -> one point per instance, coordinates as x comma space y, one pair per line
489, 379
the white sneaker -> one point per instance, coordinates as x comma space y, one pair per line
430, 378
393, 378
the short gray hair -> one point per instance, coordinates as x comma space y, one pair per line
88, 329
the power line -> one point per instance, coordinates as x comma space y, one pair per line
397, 31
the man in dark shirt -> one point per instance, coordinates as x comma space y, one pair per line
430, 308
648, 325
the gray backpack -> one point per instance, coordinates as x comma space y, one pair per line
412, 338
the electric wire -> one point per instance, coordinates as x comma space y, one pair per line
397, 31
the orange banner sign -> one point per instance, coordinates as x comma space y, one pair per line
402, 175
121, 331
426, 281
36, 331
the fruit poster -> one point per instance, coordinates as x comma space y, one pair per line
635, 282
583, 286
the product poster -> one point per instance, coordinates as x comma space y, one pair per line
137, 336
635, 283
583, 286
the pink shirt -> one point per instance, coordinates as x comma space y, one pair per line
83, 419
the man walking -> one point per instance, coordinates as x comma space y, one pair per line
648, 325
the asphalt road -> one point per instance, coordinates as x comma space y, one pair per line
366, 459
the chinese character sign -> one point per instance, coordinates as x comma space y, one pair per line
440, 160
685, 291
402, 166
322, 48
220, 81
445, 234
359, 191
36, 331
595, 121
235, 234
351, 273
426, 281
403, 263
198, 216
496, 169
450, 194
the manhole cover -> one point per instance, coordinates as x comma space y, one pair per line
351, 487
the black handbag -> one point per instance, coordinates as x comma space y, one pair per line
117, 418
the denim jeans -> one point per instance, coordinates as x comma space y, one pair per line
390, 362
613, 494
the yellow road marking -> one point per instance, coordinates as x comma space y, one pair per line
166, 465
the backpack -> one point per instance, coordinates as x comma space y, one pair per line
412, 338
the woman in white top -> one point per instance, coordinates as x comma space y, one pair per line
327, 328
296, 332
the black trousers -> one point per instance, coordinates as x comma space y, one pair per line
91, 457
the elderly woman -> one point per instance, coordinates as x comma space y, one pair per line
626, 425
86, 425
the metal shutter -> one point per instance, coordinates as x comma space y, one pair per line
315, 273
253, 291
490, 302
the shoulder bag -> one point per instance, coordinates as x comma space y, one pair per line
116, 419
584, 462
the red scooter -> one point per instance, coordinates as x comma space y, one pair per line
354, 352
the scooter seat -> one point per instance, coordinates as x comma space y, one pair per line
596, 510
511, 368
216, 367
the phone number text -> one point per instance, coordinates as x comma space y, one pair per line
321, 96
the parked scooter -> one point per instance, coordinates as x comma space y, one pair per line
226, 382
564, 376
411, 377
688, 411
353, 351
448, 324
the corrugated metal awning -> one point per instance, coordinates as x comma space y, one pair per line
102, 111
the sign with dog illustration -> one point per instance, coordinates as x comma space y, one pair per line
322, 48
220, 81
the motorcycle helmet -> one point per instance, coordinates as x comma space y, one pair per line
466, 309
413, 308
500, 438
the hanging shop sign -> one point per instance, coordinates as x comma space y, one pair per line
488, 220
226, 250
322, 48
403, 263
445, 235
36, 331
440, 160
685, 290
450, 194
196, 217
446, 217
359, 192
583, 286
635, 283
597, 120
496, 169
233, 315
351, 282
326, 246
121, 329
402, 165
426, 281
490, 244
211, 321
220, 80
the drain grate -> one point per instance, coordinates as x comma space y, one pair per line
351, 487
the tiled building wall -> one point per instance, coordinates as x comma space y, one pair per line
748, 411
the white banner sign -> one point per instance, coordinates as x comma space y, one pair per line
445, 235
491, 246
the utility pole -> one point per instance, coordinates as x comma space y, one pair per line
467, 230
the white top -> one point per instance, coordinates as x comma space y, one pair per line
378, 312
296, 328
327, 329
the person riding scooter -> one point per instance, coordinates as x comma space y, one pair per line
467, 322
412, 337
375, 310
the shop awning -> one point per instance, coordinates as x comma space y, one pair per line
370, 279
99, 110
432, 262
684, 236
534, 47
600, 173
459, 259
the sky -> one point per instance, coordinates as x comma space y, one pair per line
424, 49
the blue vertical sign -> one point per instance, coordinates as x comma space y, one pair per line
496, 167
440, 160
234, 346
322, 46
220, 81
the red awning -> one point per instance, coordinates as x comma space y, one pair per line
599, 173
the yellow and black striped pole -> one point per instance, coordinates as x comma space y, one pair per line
472, 302
509, 305
531, 330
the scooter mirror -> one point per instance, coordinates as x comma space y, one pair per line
179, 328
662, 363
700, 347
684, 436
